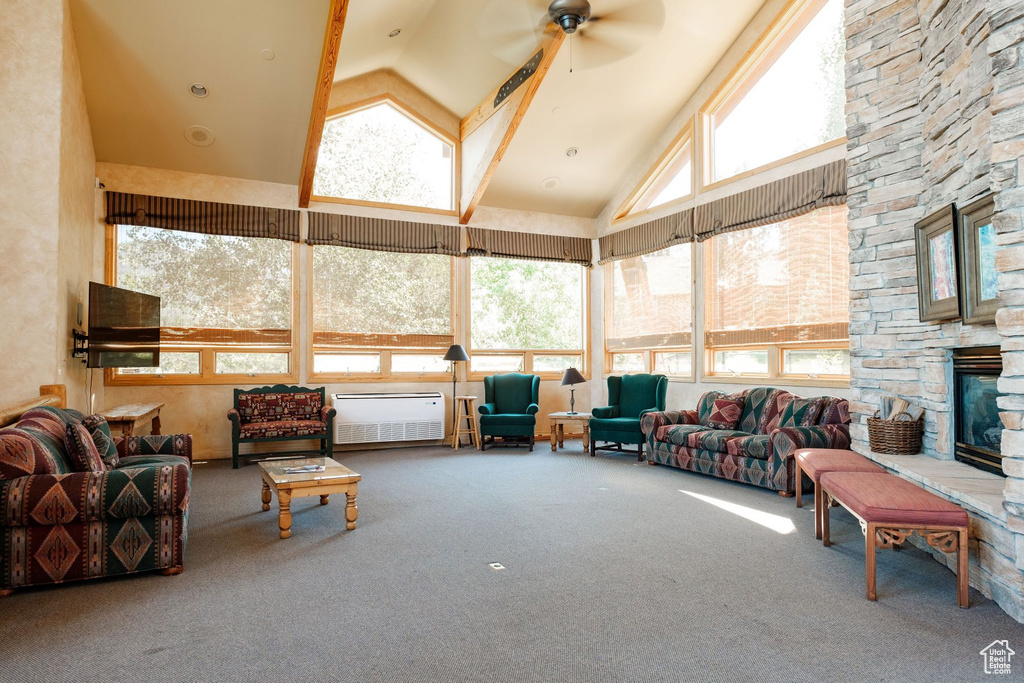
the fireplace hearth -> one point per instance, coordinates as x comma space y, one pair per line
978, 429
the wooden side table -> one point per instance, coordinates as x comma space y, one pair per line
463, 414
558, 422
127, 416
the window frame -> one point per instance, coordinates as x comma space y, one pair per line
648, 351
657, 178
208, 353
779, 35
528, 354
423, 122
775, 350
385, 374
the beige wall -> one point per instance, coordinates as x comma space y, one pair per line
77, 204
45, 200
202, 410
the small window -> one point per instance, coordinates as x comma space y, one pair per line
741, 362
789, 97
816, 362
628, 362
346, 363
491, 363
556, 364
419, 363
384, 154
171, 363
675, 363
252, 363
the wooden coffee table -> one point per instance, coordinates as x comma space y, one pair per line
335, 478
558, 422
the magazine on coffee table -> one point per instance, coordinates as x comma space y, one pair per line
303, 469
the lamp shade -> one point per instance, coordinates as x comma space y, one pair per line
456, 353
572, 376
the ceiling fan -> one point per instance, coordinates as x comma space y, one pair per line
617, 28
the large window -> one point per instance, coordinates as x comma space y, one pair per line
225, 303
671, 179
787, 98
649, 312
526, 316
383, 154
777, 299
380, 314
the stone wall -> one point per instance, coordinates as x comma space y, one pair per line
933, 117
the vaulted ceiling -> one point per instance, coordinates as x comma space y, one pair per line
139, 59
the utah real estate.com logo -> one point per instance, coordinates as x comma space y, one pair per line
997, 657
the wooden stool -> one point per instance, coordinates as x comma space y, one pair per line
463, 413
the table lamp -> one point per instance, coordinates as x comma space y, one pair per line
572, 376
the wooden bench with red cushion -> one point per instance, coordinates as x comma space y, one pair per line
890, 509
816, 462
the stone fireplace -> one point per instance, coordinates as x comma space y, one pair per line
935, 115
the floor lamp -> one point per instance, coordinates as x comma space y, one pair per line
455, 354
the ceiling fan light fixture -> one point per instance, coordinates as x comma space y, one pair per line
569, 14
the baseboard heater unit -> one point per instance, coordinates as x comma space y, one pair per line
373, 418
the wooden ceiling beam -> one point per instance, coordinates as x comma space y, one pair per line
495, 150
321, 97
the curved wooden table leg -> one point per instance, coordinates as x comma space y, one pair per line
284, 514
265, 494
351, 509
554, 435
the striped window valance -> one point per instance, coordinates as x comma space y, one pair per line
210, 218
647, 238
378, 234
507, 244
773, 202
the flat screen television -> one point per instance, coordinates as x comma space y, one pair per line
124, 328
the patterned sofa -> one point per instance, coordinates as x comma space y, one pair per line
281, 413
62, 522
768, 425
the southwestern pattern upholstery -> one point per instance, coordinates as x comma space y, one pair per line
629, 397
281, 413
58, 525
760, 450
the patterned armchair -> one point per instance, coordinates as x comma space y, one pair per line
510, 410
59, 525
629, 398
281, 413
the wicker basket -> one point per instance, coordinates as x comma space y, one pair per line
895, 437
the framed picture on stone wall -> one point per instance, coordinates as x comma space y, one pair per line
937, 269
978, 278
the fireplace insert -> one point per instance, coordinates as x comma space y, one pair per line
978, 429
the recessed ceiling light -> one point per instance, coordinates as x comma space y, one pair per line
200, 136
550, 183
571, 152
199, 90
395, 33
267, 53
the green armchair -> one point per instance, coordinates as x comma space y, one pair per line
629, 397
510, 409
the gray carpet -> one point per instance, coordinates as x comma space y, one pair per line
611, 574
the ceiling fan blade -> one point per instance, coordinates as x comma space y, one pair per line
640, 15
512, 29
590, 51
